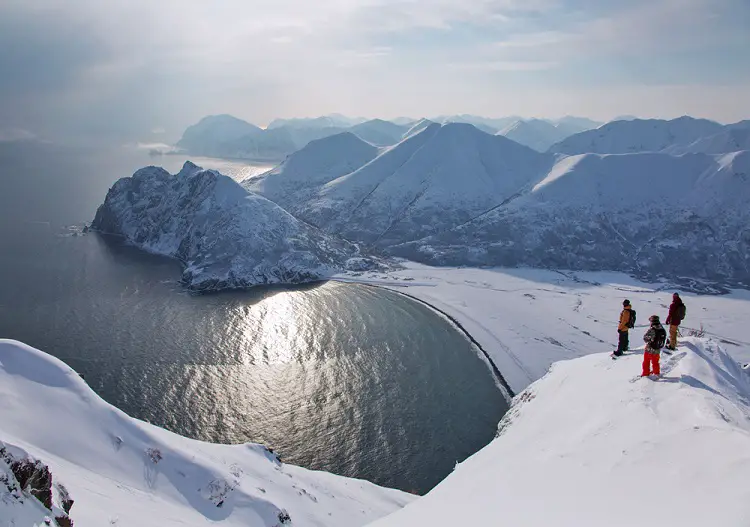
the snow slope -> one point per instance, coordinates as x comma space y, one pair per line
379, 132
225, 236
535, 133
600, 212
585, 447
121, 471
435, 179
638, 135
305, 171
731, 139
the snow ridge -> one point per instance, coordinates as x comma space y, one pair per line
595, 449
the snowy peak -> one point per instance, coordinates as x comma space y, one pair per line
592, 425
624, 137
436, 178
379, 132
314, 165
534, 133
225, 236
208, 136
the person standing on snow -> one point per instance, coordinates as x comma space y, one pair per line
654, 338
627, 321
675, 316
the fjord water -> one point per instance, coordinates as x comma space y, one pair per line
347, 378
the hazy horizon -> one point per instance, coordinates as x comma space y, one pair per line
136, 70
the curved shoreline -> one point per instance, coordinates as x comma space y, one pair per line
503, 384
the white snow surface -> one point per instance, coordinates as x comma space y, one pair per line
225, 236
586, 447
105, 459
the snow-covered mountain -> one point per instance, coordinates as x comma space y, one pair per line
591, 444
649, 213
625, 137
437, 178
225, 236
120, 471
209, 136
306, 171
379, 132
731, 138
535, 133
334, 120
572, 124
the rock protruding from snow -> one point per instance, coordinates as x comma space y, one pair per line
627, 137
27, 493
585, 446
225, 236
654, 214
123, 472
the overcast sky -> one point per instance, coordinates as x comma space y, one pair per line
123, 68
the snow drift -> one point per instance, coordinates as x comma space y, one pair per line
121, 471
585, 446
225, 236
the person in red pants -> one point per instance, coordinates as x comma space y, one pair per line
655, 338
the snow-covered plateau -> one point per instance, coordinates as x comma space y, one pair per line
225, 236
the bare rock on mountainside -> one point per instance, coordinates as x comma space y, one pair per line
225, 236
24, 481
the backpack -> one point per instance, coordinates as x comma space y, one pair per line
659, 339
681, 312
631, 322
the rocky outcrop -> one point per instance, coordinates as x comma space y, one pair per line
24, 478
225, 236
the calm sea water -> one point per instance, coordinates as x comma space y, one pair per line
351, 379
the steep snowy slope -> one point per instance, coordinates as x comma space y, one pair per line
434, 180
645, 213
534, 133
731, 139
209, 136
225, 236
307, 170
379, 132
585, 447
624, 137
123, 472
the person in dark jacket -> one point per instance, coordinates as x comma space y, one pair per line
674, 318
654, 339
623, 328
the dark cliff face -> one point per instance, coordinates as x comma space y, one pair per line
29, 478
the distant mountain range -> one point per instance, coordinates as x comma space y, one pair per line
653, 197
228, 137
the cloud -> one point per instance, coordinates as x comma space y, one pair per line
124, 67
